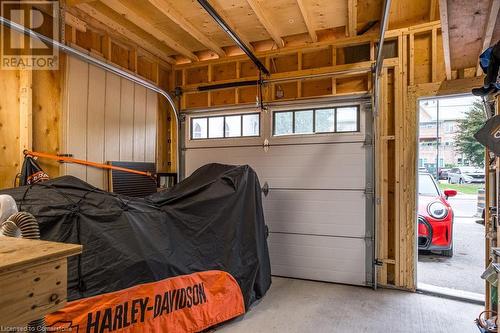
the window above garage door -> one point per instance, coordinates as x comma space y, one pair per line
312, 121
226, 126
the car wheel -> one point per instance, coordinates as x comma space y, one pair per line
448, 253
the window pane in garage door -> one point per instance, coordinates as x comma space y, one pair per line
251, 125
216, 127
199, 128
283, 123
347, 119
325, 120
303, 122
233, 126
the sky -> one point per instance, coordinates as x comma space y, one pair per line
449, 107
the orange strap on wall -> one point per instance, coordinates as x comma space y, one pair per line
87, 163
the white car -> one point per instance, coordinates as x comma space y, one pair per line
465, 175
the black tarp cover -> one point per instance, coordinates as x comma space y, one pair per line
167, 252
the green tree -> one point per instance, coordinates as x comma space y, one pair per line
465, 143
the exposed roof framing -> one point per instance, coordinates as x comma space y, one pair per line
120, 25
307, 20
168, 10
264, 20
187, 33
489, 27
145, 24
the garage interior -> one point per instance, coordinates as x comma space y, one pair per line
298, 90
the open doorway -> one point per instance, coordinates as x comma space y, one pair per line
451, 182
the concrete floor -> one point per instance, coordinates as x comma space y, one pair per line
306, 306
463, 270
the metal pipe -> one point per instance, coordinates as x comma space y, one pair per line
228, 85
383, 28
376, 89
314, 76
99, 63
220, 21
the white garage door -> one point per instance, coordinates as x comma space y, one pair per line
317, 165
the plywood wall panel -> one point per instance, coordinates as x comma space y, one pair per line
9, 127
47, 116
423, 52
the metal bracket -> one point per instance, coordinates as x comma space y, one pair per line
378, 262
368, 191
368, 142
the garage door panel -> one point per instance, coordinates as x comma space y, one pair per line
331, 259
333, 213
325, 166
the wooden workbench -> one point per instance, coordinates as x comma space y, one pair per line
33, 278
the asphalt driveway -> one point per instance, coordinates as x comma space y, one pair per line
464, 269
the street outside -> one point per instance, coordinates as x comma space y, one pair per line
462, 271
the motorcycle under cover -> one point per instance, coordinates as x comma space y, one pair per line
176, 261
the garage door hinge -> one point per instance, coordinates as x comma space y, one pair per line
378, 262
368, 192
266, 145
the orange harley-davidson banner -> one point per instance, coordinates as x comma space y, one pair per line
187, 303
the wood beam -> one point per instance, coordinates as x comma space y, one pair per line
144, 23
25, 112
433, 10
307, 20
118, 25
231, 24
443, 13
71, 3
352, 17
75, 22
262, 16
489, 27
167, 9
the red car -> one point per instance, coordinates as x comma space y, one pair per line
435, 216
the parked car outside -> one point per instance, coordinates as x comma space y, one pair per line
466, 175
443, 174
435, 216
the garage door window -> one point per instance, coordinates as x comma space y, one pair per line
331, 120
233, 126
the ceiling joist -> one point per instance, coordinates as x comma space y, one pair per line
119, 25
489, 28
145, 24
352, 17
168, 10
261, 15
443, 12
307, 20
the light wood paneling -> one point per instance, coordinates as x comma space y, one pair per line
108, 119
77, 105
95, 123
